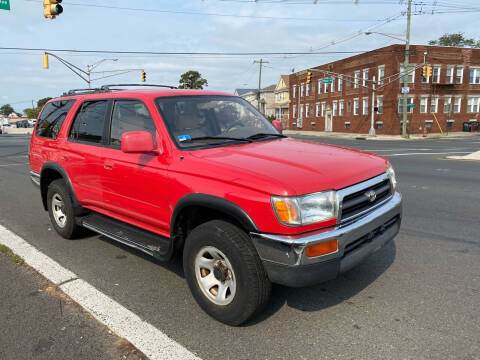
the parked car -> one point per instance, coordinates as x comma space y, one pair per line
203, 174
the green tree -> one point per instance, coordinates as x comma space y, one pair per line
42, 102
455, 40
192, 80
31, 113
6, 110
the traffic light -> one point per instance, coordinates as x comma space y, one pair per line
424, 71
309, 77
45, 61
429, 71
144, 76
52, 8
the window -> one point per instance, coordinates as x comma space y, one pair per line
301, 111
323, 109
307, 110
436, 74
447, 104
349, 106
294, 91
450, 69
317, 109
89, 123
365, 106
473, 103
307, 89
332, 86
434, 104
341, 108
379, 125
474, 75
450, 124
130, 115
400, 104
458, 104
410, 74
381, 74
335, 108
319, 86
428, 124
325, 88
379, 104
459, 76
340, 84
294, 111
355, 106
423, 104
52, 117
365, 77
356, 77
347, 125
302, 88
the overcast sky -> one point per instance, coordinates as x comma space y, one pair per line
286, 26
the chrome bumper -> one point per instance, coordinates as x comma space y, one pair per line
284, 256
35, 178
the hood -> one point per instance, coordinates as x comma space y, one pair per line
301, 166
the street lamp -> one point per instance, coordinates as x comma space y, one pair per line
387, 35
93, 66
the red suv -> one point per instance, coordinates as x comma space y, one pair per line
204, 174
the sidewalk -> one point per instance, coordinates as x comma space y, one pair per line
381, 137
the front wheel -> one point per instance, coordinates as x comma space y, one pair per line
224, 272
60, 209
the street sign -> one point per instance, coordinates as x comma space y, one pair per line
412, 105
327, 81
405, 90
4, 4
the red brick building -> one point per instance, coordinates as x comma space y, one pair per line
451, 94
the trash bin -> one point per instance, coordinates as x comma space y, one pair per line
474, 126
467, 127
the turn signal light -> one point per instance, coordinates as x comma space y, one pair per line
323, 248
287, 211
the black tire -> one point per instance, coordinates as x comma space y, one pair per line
58, 188
252, 284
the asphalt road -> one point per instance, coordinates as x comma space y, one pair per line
417, 298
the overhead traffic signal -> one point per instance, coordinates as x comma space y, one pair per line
52, 8
144, 76
427, 71
309, 77
45, 61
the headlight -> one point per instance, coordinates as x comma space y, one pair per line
307, 209
391, 176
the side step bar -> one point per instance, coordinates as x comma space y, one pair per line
146, 241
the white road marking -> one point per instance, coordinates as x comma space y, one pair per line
434, 153
14, 164
144, 336
399, 150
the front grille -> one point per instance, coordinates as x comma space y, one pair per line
359, 202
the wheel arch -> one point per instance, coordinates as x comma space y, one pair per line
52, 171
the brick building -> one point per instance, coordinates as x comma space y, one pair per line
452, 93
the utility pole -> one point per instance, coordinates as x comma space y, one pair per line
372, 128
405, 66
260, 62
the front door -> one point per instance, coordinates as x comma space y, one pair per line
328, 121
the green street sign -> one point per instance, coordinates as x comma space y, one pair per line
324, 80
4, 4
412, 105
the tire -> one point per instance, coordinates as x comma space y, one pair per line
60, 209
236, 266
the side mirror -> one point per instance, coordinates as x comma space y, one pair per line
278, 125
138, 142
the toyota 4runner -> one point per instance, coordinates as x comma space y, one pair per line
204, 174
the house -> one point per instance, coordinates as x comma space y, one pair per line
282, 100
266, 98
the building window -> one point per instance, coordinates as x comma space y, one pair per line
325, 88
400, 104
410, 74
335, 108
355, 106
436, 74
302, 88
294, 111
349, 106
356, 77
365, 106
428, 124
447, 104
424, 104
332, 86
458, 104
472, 104
294, 91
317, 109
341, 108
347, 125
434, 104
450, 124
450, 69
323, 109
307, 110
474, 75
319, 86
459, 75
340, 84
381, 74
379, 125
307, 89
379, 104
365, 77
301, 111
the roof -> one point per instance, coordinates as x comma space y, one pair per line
286, 79
241, 92
269, 88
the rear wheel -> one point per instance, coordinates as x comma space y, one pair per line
224, 272
60, 209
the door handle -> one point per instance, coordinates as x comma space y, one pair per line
108, 165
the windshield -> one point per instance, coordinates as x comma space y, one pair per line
212, 120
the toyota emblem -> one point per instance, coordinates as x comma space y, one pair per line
371, 195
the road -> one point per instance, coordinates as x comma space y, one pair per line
415, 299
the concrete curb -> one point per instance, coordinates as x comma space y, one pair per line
472, 157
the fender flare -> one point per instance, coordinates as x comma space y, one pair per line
214, 203
50, 165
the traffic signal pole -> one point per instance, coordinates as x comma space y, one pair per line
371, 132
406, 73
260, 62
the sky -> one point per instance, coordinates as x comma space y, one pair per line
205, 26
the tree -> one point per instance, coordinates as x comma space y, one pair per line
192, 80
42, 102
6, 110
455, 40
33, 113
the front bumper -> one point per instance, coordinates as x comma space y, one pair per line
284, 256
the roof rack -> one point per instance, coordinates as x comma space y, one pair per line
82, 91
108, 87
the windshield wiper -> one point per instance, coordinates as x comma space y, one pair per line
217, 137
263, 135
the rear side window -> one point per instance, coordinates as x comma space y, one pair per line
89, 123
130, 115
52, 117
